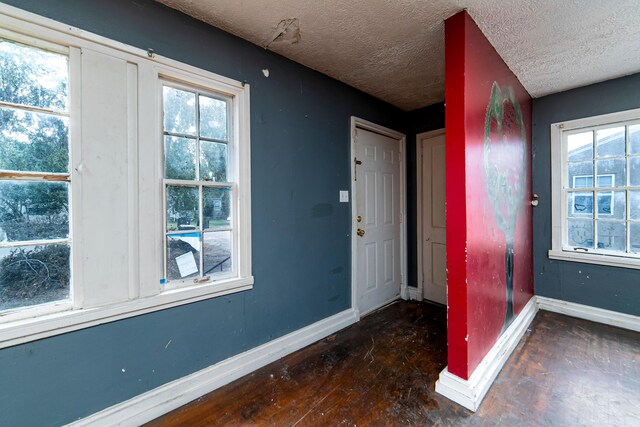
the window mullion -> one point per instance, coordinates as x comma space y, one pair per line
627, 182
594, 137
198, 138
201, 231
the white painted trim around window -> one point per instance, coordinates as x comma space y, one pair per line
144, 186
21, 331
559, 248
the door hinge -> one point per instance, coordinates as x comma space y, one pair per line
401, 219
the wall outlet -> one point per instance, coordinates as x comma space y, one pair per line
344, 197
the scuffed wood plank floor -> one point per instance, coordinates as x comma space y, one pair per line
382, 371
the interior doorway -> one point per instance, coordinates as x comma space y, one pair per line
378, 212
431, 218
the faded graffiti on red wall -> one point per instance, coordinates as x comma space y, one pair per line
505, 169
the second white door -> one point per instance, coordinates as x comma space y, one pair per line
434, 227
378, 219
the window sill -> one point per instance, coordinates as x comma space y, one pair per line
599, 259
25, 330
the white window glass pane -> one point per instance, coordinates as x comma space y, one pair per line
179, 111
217, 253
605, 180
33, 142
634, 238
582, 181
634, 139
580, 174
216, 208
615, 167
580, 146
33, 210
612, 236
213, 161
213, 118
33, 77
580, 233
179, 158
183, 256
634, 205
634, 171
32, 275
612, 204
580, 205
182, 208
611, 142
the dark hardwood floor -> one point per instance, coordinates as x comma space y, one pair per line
382, 371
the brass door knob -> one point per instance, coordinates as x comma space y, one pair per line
360, 232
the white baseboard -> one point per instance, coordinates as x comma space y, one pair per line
159, 401
608, 317
413, 294
469, 393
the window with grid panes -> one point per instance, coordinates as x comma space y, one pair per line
600, 195
35, 239
198, 186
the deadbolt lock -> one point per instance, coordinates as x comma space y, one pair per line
359, 218
360, 232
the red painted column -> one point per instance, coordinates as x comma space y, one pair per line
456, 211
489, 218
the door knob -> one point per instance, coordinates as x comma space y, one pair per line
360, 232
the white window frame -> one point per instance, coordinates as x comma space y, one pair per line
212, 90
144, 195
559, 247
73, 55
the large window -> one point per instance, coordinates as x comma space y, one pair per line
35, 242
124, 181
596, 189
199, 184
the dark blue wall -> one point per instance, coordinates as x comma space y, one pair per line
610, 288
301, 245
418, 121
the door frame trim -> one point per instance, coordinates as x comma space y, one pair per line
358, 123
419, 208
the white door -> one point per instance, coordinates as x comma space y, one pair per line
434, 228
377, 174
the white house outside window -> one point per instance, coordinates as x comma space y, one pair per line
596, 189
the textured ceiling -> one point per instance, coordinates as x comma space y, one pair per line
394, 50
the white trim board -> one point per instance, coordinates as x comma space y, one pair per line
469, 393
154, 403
594, 314
414, 294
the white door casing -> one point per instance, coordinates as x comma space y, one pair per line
378, 200
433, 219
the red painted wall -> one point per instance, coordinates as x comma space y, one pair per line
489, 223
